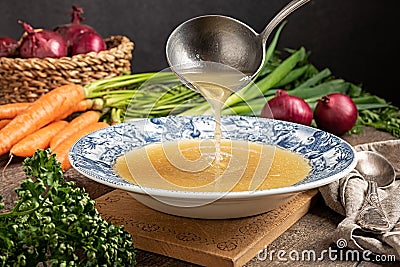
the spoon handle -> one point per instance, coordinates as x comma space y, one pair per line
286, 11
372, 217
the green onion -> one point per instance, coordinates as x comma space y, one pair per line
148, 95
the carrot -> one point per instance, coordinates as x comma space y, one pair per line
4, 122
83, 105
9, 111
61, 151
41, 112
77, 124
37, 140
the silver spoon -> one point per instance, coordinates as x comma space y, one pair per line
221, 39
378, 172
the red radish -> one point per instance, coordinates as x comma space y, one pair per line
288, 108
88, 42
8, 46
336, 113
41, 44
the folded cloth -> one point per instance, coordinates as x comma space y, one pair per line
346, 196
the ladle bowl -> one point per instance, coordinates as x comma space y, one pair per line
224, 40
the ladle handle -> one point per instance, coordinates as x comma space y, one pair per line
286, 11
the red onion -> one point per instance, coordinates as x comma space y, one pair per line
41, 44
8, 46
72, 30
88, 42
335, 113
288, 108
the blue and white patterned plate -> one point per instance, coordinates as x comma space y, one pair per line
330, 158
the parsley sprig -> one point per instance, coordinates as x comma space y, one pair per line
54, 223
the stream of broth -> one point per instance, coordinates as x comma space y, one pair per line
215, 82
213, 164
190, 165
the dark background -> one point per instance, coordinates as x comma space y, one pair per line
356, 39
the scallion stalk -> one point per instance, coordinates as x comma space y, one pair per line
147, 95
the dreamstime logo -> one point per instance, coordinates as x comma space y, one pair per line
342, 253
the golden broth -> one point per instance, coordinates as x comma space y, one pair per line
190, 165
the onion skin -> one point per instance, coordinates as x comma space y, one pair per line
8, 46
41, 44
288, 108
88, 42
72, 30
336, 113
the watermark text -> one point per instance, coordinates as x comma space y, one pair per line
332, 254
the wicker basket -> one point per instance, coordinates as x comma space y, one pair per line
24, 80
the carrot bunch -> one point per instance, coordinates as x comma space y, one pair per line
26, 127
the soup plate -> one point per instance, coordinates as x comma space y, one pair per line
330, 158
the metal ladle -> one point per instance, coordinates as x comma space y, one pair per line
221, 39
378, 172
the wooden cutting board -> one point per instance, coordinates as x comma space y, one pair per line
231, 242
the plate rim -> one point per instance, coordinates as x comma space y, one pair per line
133, 188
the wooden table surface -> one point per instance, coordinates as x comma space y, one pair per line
312, 232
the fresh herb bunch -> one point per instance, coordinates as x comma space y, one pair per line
55, 224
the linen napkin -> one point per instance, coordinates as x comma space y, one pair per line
346, 197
